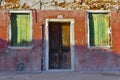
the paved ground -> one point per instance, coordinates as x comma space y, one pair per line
59, 76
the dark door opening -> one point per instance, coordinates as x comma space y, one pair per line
59, 45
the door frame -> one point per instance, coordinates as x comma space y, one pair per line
71, 43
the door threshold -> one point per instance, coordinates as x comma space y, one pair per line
57, 70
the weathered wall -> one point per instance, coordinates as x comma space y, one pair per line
90, 59
115, 22
97, 59
61, 4
20, 59
85, 59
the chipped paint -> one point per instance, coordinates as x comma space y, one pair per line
85, 59
62, 4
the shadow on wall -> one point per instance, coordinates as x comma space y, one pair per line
30, 59
85, 59
2, 43
96, 59
26, 59
99, 59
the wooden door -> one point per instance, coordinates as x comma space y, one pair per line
59, 45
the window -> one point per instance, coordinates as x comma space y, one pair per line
20, 29
99, 31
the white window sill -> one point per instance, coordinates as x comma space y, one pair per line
99, 47
20, 47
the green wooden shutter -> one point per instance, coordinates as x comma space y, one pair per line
14, 31
101, 29
98, 30
93, 30
20, 29
107, 25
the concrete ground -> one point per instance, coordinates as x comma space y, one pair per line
59, 76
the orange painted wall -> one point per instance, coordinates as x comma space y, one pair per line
115, 23
85, 59
3, 28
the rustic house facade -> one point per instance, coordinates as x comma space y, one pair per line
59, 35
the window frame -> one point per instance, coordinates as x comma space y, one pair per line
88, 29
9, 28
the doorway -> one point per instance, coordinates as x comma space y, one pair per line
59, 50
59, 45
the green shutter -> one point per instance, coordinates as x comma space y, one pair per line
91, 31
103, 25
98, 29
107, 36
14, 32
101, 29
20, 29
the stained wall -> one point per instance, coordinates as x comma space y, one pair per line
34, 58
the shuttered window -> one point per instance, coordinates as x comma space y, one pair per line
20, 29
99, 29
